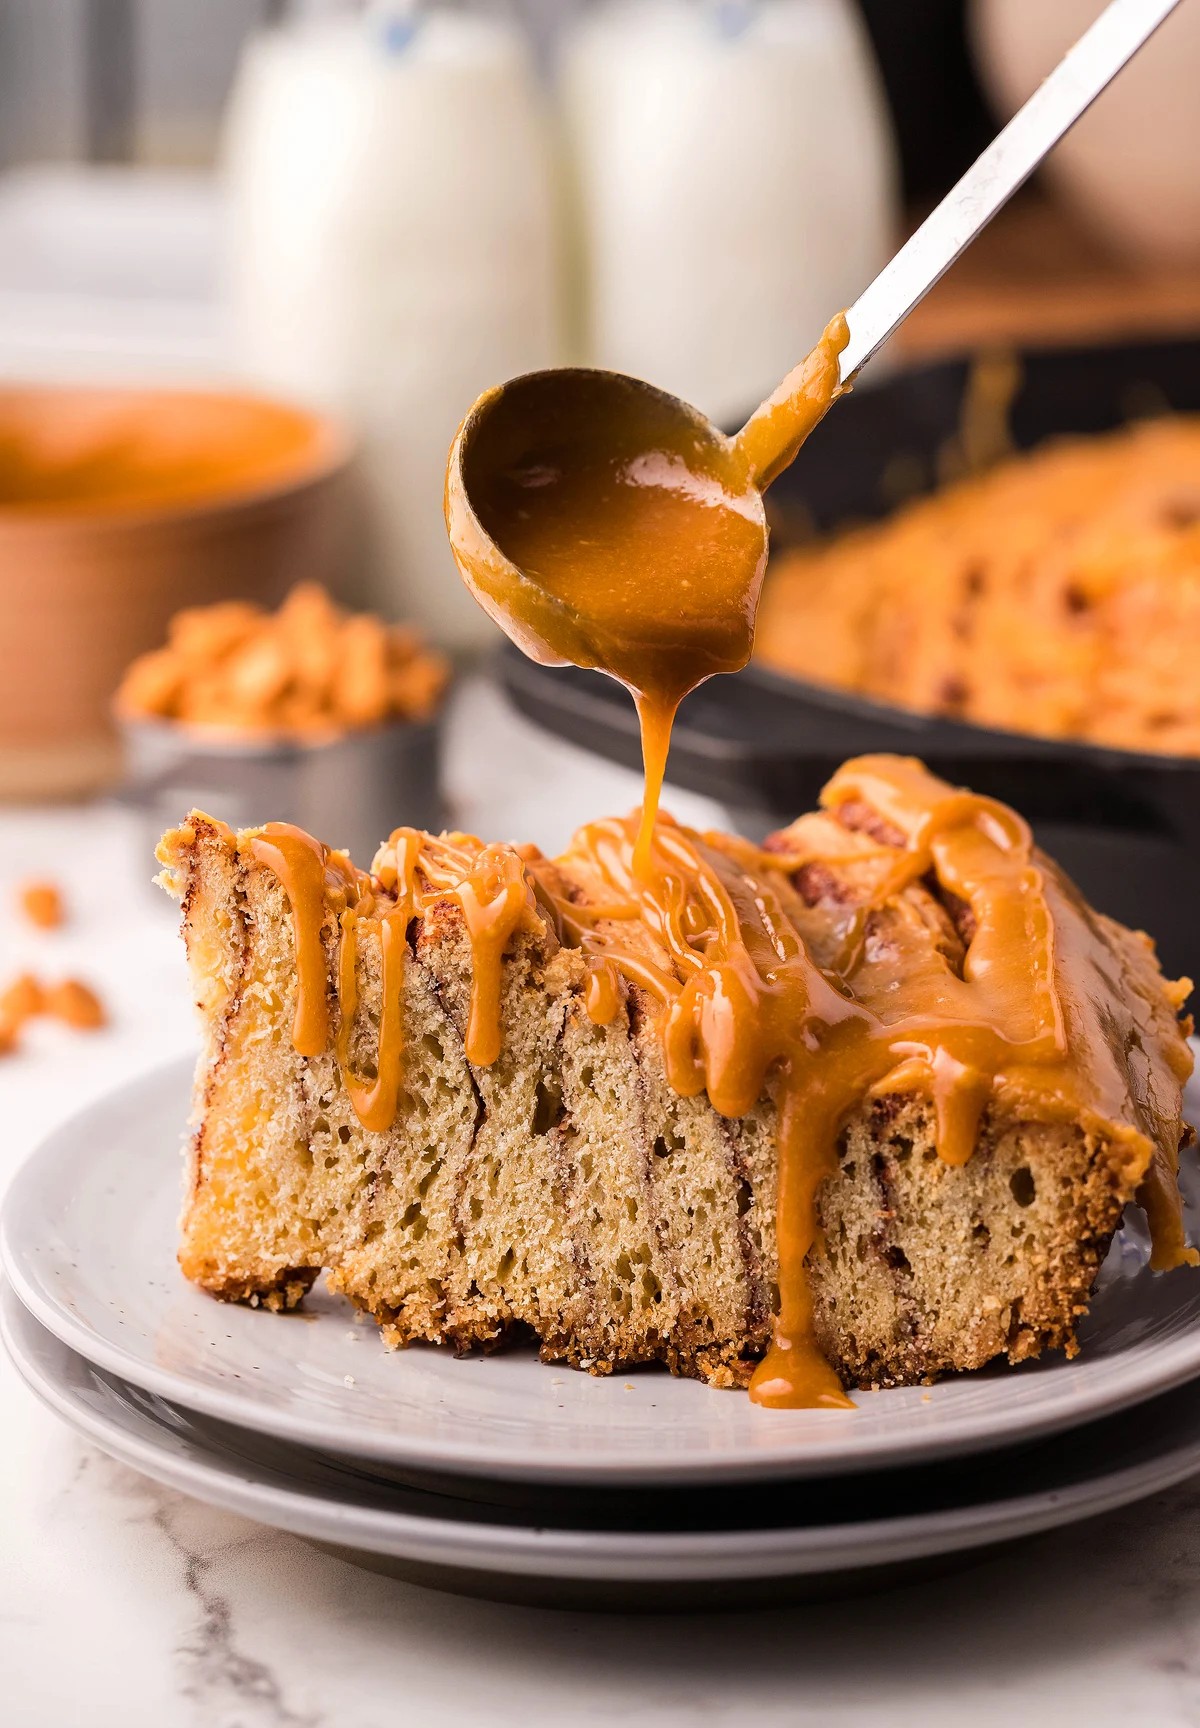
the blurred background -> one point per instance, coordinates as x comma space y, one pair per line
371, 212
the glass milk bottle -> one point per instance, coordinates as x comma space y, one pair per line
736, 185
392, 252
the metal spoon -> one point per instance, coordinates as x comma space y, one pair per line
578, 416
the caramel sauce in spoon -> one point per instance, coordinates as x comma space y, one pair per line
605, 524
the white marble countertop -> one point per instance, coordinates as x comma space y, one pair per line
122, 1603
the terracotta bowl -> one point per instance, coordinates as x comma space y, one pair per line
117, 507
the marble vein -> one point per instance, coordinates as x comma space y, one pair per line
219, 1676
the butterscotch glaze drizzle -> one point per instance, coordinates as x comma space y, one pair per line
310, 874
494, 897
487, 883
771, 439
1029, 1023
374, 1101
656, 721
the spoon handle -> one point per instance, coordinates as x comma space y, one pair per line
1006, 164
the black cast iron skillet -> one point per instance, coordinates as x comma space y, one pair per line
1122, 823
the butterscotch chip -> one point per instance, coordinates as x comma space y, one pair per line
42, 904
404, 644
308, 626
302, 714
153, 683
258, 673
8, 1038
23, 998
76, 1004
360, 684
203, 634
416, 690
204, 701
308, 622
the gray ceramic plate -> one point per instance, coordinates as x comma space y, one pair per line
882, 1530
87, 1238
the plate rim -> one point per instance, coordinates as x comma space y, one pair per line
68, 1142
528, 1550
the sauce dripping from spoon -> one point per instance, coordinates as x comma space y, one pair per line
607, 525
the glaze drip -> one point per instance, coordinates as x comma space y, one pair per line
325, 892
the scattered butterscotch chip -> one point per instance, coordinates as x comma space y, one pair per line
73, 1002
308, 671
42, 904
76, 1004
23, 998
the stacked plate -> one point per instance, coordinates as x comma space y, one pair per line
504, 1477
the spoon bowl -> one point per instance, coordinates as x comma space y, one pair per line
580, 458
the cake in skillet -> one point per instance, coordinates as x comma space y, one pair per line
1057, 593
862, 1106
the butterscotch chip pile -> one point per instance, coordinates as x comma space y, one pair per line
310, 670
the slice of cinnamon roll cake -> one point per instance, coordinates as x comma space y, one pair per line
859, 1107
